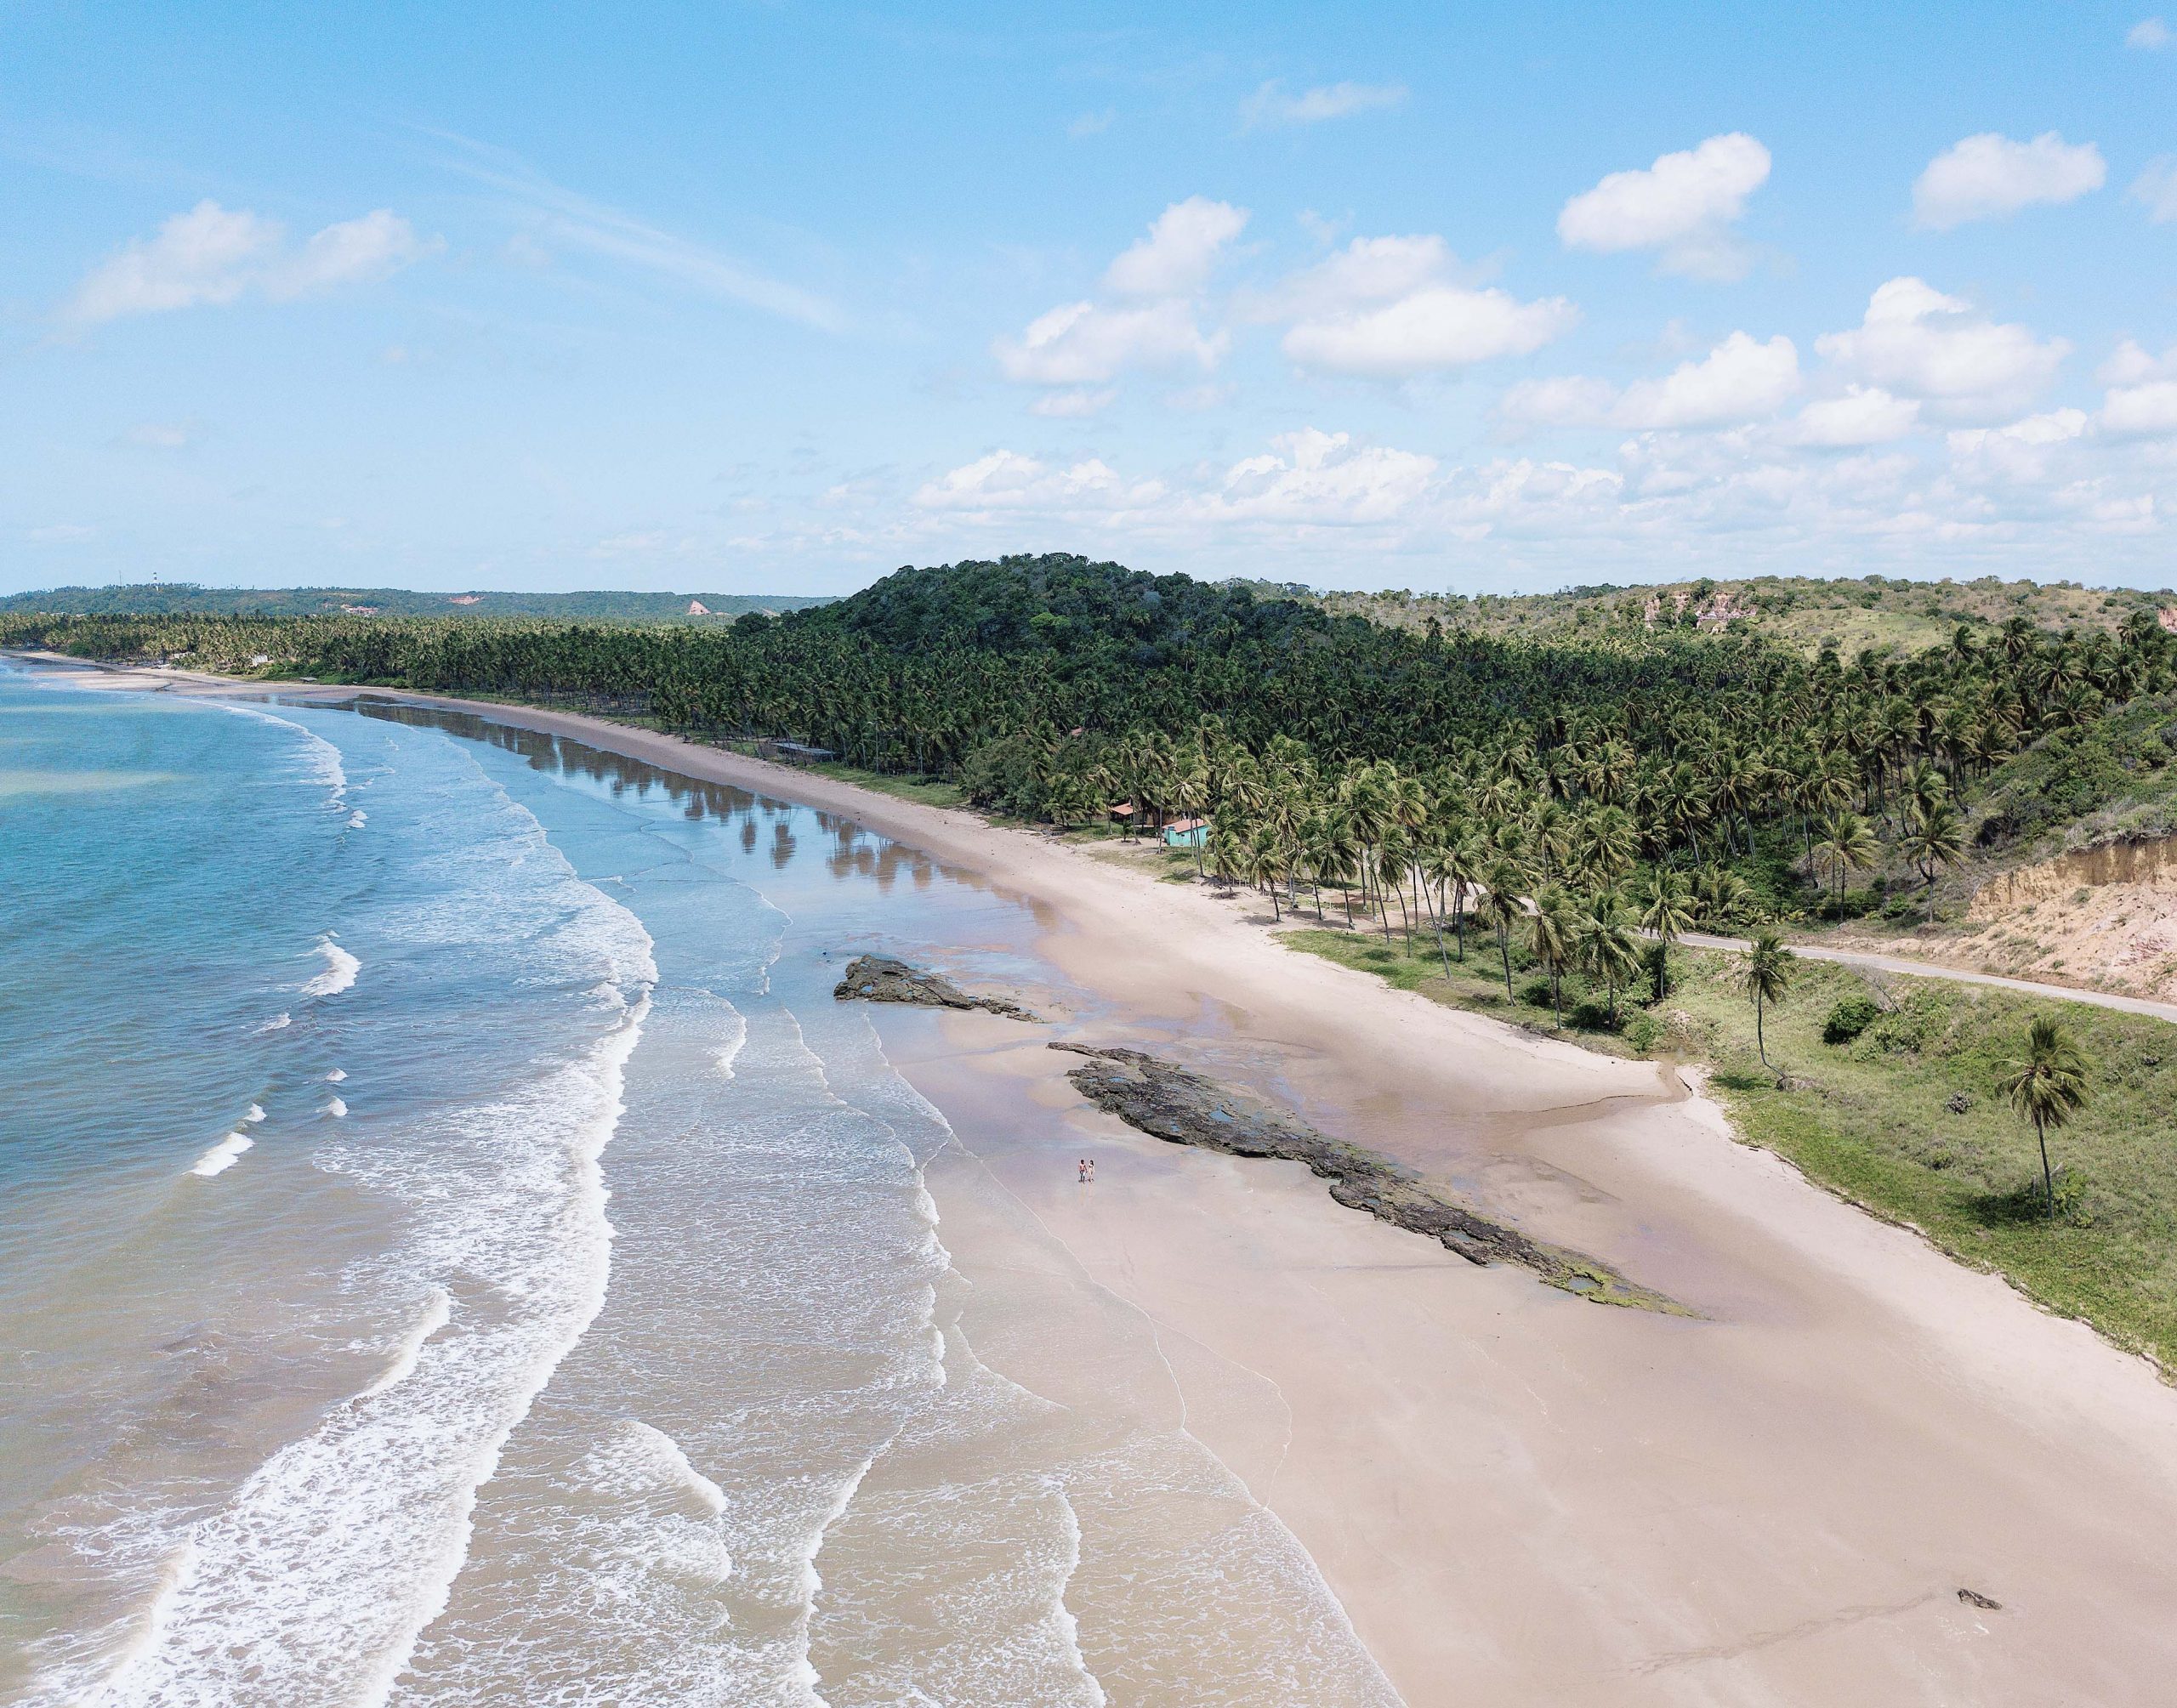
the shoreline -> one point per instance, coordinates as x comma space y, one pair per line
1512, 1495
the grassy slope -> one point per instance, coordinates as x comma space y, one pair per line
1871, 1120
1805, 613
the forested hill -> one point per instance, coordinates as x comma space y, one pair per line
186, 598
1053, 686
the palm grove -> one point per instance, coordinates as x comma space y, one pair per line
1660, 780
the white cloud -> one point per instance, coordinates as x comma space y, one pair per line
1271, 106
2148, 410
206, 255
2149, 35
2156, 188
1682, 206
1176, 257
59, 534
1863, 415
1739, 380
210, 255
1010, 481
1368, 270
1918, 342
1989, 176
1319, 479
1438, 326
1084, 344
2022, 451
2141, 400
356, 252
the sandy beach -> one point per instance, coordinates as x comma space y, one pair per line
1519, 1497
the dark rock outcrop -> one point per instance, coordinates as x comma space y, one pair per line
1184, 1108
880, 979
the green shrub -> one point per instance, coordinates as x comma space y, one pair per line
1849, 1018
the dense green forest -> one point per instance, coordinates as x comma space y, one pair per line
176, 599
1636, 775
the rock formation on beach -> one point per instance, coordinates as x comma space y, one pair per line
881, 979
1173, 1104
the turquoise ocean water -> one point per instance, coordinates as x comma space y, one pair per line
453, 1249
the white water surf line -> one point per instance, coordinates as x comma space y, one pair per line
340, 970
437, 1313
223, 1156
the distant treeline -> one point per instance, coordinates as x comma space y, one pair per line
1053, 687
183, 598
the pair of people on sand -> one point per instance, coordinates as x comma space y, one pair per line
1087, 1169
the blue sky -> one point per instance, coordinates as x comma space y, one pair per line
744, 298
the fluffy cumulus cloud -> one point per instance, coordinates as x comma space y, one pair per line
214, 255
1741, 380
1085, 343
1391, 308
1009, 483
2023, 451
1153, 325
2149, 36
2141, 400
1990, 176
1859, 415
1274, 105
1917, 343
1683, 206
1177, 256
1319, 479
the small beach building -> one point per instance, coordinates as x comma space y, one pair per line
1186, 833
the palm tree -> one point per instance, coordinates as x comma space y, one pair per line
1669, 915
1934, 840
1605, 944
1549, 935
1766, 978
2048, 1086
1499, 906
1846, 842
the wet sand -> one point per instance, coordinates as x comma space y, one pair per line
1520, 1496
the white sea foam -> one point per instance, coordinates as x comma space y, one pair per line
276, 1023
256, 1113
727, 1053
662, 1458
437, 1313
223, 1156
321, 757
320, 1571
336, 1106
340, 969
358, 819
336, 1076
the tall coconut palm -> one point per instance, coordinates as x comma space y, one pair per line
1668, 914
1934, 840
1846, 843
1766, 978
2048, 1085
1603, 943
1549, 935
1499, 908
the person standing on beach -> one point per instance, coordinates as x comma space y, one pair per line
1084, 1166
